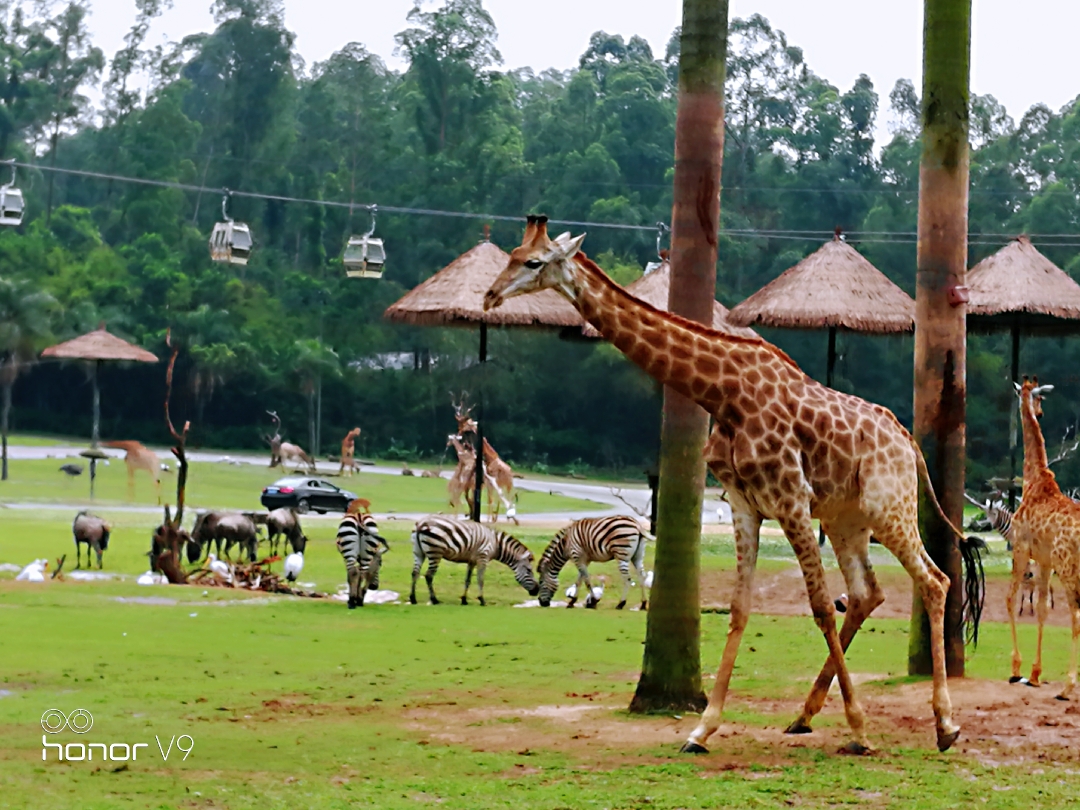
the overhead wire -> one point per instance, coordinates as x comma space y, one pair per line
875, 237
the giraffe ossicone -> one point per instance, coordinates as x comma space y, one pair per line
785, 448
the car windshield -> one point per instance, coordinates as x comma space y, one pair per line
288, 482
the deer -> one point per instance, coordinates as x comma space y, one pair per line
280, 451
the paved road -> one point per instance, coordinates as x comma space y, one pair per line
608, 502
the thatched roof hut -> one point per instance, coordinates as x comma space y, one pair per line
653, 287
1019, 288
455, 297
99, 345
834, 287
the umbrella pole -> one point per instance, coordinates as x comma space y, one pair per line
480, 428
830, 367
95, 429
1013, 418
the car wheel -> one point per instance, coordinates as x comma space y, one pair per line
303, 506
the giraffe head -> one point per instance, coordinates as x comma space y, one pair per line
539, 263
1031, 394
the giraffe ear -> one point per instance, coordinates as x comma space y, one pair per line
1018, 387
570, 245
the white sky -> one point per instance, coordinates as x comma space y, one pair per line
1021, 53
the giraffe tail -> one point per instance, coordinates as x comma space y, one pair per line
971, 549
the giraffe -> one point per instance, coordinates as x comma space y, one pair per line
1046, 529
348, 448
499, 477
463, 480
785, 447
138, 456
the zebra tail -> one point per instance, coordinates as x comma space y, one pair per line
971, 549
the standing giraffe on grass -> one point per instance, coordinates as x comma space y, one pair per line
1046, 529
137, 456
785, 447
348, 450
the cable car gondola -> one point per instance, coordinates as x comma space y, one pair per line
11, 202
230, 241
365, 255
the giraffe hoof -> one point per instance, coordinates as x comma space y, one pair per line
645, 605
1030, 682
1060, 697
1015, 679
621, 605
945, 741
856, 749
690, 747
798, 727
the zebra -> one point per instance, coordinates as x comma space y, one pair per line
618, 537
1001, 521
362, 547
437, 538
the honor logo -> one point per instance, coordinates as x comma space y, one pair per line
80, 721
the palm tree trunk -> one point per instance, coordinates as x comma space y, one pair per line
940, 334
671, 669
5, 410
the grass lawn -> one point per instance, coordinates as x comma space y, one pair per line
228, 486
293, 702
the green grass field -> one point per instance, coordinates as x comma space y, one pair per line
227, 486
292, 702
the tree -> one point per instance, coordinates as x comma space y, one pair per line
671, 670
24, 326
313, 362
940, 334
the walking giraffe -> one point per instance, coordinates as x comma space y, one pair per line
137, 456
348, 450
1046, 528
785, 447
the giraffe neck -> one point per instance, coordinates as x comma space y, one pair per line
699, 362
1035, 462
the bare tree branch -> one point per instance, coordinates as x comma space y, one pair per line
640, 512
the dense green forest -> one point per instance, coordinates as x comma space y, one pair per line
237, 108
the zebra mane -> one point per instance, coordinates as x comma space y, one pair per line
508, 547
557, 544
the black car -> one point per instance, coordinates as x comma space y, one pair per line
306, 494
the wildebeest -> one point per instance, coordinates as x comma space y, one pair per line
284, 521
93, 531
157, 546
231, 528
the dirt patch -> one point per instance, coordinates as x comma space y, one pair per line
1000, 723
783, 593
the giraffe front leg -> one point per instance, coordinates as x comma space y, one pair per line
747, 529
1019, 564
1070, 687
800, 533
1042, 611
864, 595
468, 579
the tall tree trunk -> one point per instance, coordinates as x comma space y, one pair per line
5, 410
671, 669
940, 333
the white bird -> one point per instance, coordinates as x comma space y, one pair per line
571, 592
648, 579
150, 578
219, 567
294, 564
34, 572
165, 467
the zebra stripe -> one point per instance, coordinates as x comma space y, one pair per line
589, 540
437, 538
358, 542
1000, 519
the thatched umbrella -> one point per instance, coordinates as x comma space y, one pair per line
652, 288
833, 288
97, 347
1021, 291
455, 297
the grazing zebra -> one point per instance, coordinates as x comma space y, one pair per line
359, 542
594, 540
439, 538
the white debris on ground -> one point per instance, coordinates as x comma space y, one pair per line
10, 567
89, 576
150, 578
370, 597
34, 572
531, 603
